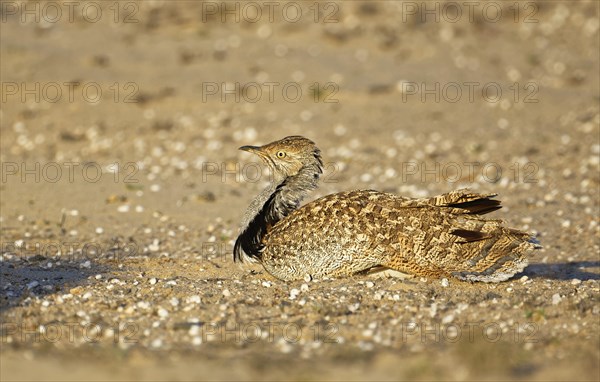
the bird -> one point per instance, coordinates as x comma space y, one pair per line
365, 231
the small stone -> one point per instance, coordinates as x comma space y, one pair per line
162, 312
123, 208
354, 307
524, 279
266, 284
294, 293
370, 284
194, 329
304, 287
433, 310
284, 346
556, 299
32, 284
154, 246
445, 282
575, 282
448, 319
77, 290
153, 281
226, 293
157, 343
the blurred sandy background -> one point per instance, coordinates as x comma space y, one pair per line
122, 186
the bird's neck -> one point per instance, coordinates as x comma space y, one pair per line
274, 203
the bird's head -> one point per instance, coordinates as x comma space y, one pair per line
287, 156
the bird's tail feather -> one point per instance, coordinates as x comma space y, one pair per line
475, 249
499, 261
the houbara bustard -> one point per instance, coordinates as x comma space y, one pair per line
360, 231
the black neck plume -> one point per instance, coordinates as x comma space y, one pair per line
281, 200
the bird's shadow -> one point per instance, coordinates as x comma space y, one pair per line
563, 271
28, 277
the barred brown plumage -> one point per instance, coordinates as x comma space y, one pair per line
357, 231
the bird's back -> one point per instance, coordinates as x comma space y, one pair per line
350, 232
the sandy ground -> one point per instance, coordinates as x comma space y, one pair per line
119, 209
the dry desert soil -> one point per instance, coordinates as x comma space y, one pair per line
122, 186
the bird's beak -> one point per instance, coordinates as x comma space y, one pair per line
253, 149
250, 149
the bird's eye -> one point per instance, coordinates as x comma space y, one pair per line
280, 154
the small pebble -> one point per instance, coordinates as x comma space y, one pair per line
32, 284
157, 343
556, 299
448, 319
76, 290
154, 246
445, 282
354, 307
162, 312
123, 208
294, 293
